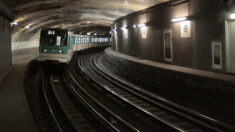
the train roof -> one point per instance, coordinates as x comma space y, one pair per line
55, 29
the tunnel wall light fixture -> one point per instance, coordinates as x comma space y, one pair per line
124, 28
15, 23
141, 25
179, 19
27, 27
134, 26
232, 16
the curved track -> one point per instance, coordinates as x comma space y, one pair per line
68, 113
88, 98
202, 120
171, 115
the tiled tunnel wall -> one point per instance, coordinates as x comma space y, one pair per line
5, 47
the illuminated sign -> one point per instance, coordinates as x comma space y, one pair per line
232, 16
185, 29
144, 32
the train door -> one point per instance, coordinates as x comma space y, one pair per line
70, 47
230, 46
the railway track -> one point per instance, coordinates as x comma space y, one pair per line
207, 122
153, 108
68, 113
86, 98
57, 115
98, 105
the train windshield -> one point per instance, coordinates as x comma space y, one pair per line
53, 38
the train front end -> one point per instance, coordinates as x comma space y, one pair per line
53, 45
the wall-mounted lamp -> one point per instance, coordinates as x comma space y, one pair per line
232, 16
141, 25
134, 26
95, 34
27, 27
114, 30
123, 28
88, 33
179, 19
15, 23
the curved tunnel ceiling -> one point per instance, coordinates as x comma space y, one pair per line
71, 14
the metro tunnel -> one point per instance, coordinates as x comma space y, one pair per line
117, 65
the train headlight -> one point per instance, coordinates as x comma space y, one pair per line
60, 51
45, 50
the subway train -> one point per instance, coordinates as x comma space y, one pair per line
58, 45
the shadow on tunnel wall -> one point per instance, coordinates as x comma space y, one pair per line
5, 47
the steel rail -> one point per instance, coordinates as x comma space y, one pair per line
183, 111
46, 96
173, 126
111, 126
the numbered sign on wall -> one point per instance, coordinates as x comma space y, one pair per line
185, 29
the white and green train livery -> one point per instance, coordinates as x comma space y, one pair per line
59, 44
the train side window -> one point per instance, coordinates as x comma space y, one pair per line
77, 41
216, 55
167, 39
51, 32
58, 40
